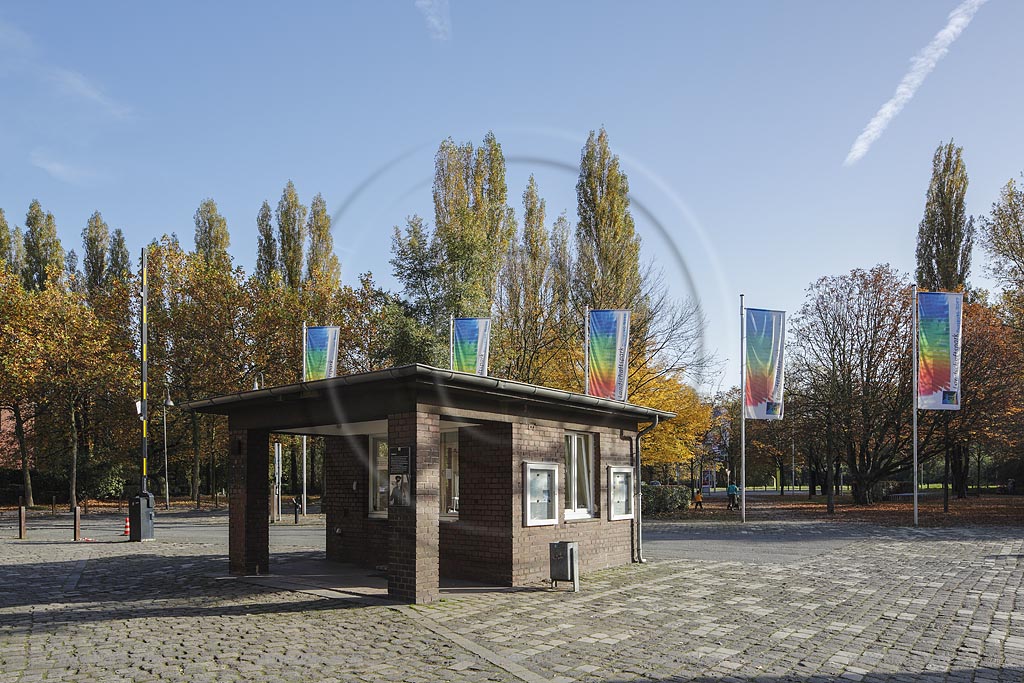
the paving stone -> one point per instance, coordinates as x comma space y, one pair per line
804, 602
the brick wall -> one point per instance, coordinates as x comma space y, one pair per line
249, 502
478, 545
487, 542
352, 536
413, 536
602, 543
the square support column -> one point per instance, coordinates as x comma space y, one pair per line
413, 553
249, 502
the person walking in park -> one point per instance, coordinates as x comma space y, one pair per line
698, 500
733, 491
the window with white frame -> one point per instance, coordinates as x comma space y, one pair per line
449, 473
620, 493
540, 493
378, 476
579, 476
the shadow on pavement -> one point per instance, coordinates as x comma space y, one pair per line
1012, 674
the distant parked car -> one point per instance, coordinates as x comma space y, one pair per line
654, 483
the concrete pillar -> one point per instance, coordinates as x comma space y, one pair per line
249, 501
413, 555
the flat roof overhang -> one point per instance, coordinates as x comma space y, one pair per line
306, 407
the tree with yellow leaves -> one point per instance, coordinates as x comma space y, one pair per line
676, 442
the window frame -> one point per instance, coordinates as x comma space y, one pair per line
447, 514
631, 497
372, 477
572, 478
528, 468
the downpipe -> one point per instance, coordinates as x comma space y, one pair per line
640, 494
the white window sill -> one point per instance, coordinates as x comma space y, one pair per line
575, 516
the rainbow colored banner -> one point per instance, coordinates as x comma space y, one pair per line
471, 342
608, 353
940, 316
765, 366
321, 353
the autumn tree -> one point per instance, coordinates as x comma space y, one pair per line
212, 238
44, 255
607, 271
852, 350
291, 235
945, 236
525, 306
6, 242
453, 269
671, 447
78, 357
945, 239
118, 260
266, 246
21, 364
96, 252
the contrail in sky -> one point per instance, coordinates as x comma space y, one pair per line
920, 66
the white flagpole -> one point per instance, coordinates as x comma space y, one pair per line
487, 349
451, 342
914, 389
586, 350
743, 414
304, 436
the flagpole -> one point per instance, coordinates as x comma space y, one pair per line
914, 389
304, 436
144, 340
586, 350
487, 349
451, 342
743, 414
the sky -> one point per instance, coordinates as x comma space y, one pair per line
766, 144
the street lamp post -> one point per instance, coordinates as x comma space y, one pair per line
168, 403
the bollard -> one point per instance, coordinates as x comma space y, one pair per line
78, 523
53, 506
22, 516
298, 506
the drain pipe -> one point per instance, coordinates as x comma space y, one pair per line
640, 494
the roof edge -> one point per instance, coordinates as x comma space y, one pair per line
434, 374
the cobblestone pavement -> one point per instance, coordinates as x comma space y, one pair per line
764, 602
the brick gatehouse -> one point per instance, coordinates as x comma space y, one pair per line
439, 473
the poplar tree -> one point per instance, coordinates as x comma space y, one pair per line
266, 247
6, 238
321, 262
118, 261
96, 250
17, 251
944, 240
43, 252
945, 235
75, 278
524, 308
607, 271
212, 239
473, 223
291, 235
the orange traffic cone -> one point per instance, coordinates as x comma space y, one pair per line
126, 531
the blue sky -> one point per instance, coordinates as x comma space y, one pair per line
732, 120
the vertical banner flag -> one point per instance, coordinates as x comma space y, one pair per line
321, 352
940, 315
608, 357
471, 341
766, 340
